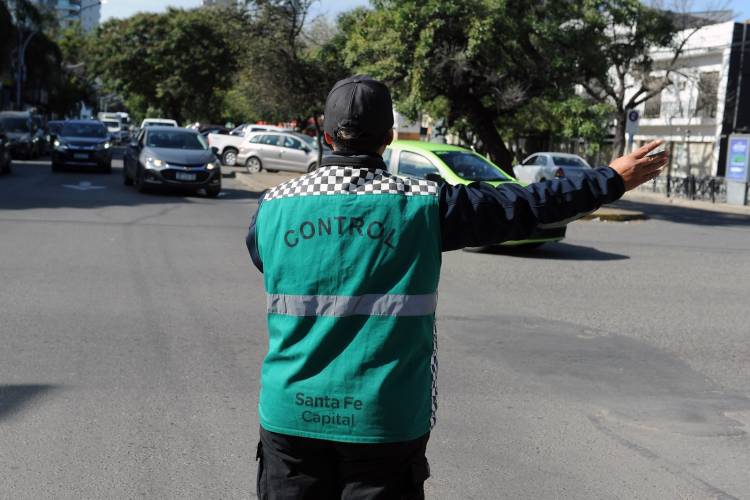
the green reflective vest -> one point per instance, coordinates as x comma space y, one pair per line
351, 261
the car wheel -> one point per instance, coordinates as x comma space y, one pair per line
213, 191
229, 157
56, 167
253, 165
312, 167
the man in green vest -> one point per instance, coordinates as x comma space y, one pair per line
351, 261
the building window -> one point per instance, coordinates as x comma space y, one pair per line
653, 107
708, 90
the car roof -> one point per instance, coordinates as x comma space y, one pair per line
83, 121
157, 128
571, 155
428, 146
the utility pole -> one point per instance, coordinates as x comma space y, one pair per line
21, 73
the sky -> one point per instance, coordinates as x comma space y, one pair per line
126, 8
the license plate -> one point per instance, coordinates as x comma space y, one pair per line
81, 156
181, 176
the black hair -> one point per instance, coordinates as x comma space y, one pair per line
347, 139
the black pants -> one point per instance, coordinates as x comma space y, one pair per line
296, 468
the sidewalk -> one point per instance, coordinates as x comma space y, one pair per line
660, 199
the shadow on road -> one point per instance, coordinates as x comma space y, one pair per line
684, 215
14, 397
33, 185
557, 251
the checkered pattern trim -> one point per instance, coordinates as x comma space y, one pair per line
434, 372
350, 180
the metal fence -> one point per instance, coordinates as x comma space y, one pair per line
693, 187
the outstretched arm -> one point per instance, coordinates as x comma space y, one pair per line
479, 214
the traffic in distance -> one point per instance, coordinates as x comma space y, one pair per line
161, 155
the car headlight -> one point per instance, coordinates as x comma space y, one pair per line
60, 145
154, 163
212, 165
105, 145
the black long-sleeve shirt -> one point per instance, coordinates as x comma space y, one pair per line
479, 214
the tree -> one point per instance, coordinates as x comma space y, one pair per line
622, 36
178, 63
293, 62
475, 62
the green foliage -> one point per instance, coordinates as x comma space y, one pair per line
477, 63
173, 63
621, 34
572, 118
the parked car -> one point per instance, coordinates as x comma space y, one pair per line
275, 151
5, 159
204, 130
456, 165
82, 143
158, 122
18, 129
227, 146
545, 166
171, 157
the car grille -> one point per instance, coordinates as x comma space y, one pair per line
172, 175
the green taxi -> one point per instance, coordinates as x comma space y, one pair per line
457, 165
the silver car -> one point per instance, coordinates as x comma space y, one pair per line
544, 166
275, 151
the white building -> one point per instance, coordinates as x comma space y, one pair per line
705, 101
85, 12
220, 3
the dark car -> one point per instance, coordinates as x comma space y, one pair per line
18, 129
82, 143
171, 157
5, 159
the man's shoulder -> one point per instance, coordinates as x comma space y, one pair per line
346, 180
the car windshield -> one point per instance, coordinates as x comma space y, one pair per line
84, 130
176, 140
112, 124
569, 161
15, 124
471, 167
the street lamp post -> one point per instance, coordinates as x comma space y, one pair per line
21, 73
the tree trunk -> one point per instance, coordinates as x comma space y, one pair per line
318, 136
493, 145
618, 142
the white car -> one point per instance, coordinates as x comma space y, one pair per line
273, 151
545, 166
158, 122
226, 146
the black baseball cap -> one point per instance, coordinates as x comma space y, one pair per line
362, 106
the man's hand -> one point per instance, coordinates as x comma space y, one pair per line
637, 168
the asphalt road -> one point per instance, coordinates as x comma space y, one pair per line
613, 365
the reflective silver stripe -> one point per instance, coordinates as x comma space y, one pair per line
342, 305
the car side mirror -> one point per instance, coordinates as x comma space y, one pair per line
134, 144
432, 176
306, 149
